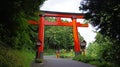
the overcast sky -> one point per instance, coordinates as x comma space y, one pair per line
70, 6
62, 5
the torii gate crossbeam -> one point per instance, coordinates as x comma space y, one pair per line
58, 15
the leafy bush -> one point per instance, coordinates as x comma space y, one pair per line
95, 61
27, 56
9, 58
85, 59
49, 52
64, 54
103, 64
15, 58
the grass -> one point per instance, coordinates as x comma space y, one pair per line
102, 64
66, 54
15, 58
26, 56
94, 61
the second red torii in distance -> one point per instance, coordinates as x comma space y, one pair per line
58, 15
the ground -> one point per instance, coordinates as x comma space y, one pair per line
52, 61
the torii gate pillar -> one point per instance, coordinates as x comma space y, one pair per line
76, 38
39, 54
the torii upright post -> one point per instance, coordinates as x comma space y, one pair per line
58, 15
76, 38
41, 37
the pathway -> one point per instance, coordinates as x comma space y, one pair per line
51, 61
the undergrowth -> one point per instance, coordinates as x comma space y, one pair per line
94, 61
66, 54
15, 58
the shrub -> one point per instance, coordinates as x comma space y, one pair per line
9, 58
85, 59
15, 58
65, 54
49, 52
95, 61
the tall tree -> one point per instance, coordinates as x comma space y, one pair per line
105, 14
14, 30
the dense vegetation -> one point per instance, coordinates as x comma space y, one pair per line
104, 15
14, 29
59, 37
16, 35
15, 58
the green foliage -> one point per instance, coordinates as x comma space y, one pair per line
58, 37
15, 32
67, 54
104, 14
109, 51
14, 27
15, 58
101, 44
100, 53
94, 50
49, 52
50, 19
85, 59
94, 61
103, 64
27, 56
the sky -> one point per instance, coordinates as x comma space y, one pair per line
71, 6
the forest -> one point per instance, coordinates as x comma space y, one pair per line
17, 36
104, 16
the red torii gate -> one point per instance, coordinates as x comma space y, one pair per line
58, 15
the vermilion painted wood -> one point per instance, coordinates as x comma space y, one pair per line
75, 35
59, 23
65, 24
58, 15
32, 22
41, 36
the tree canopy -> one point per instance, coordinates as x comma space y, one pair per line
16, 33
104, 15
14, 29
